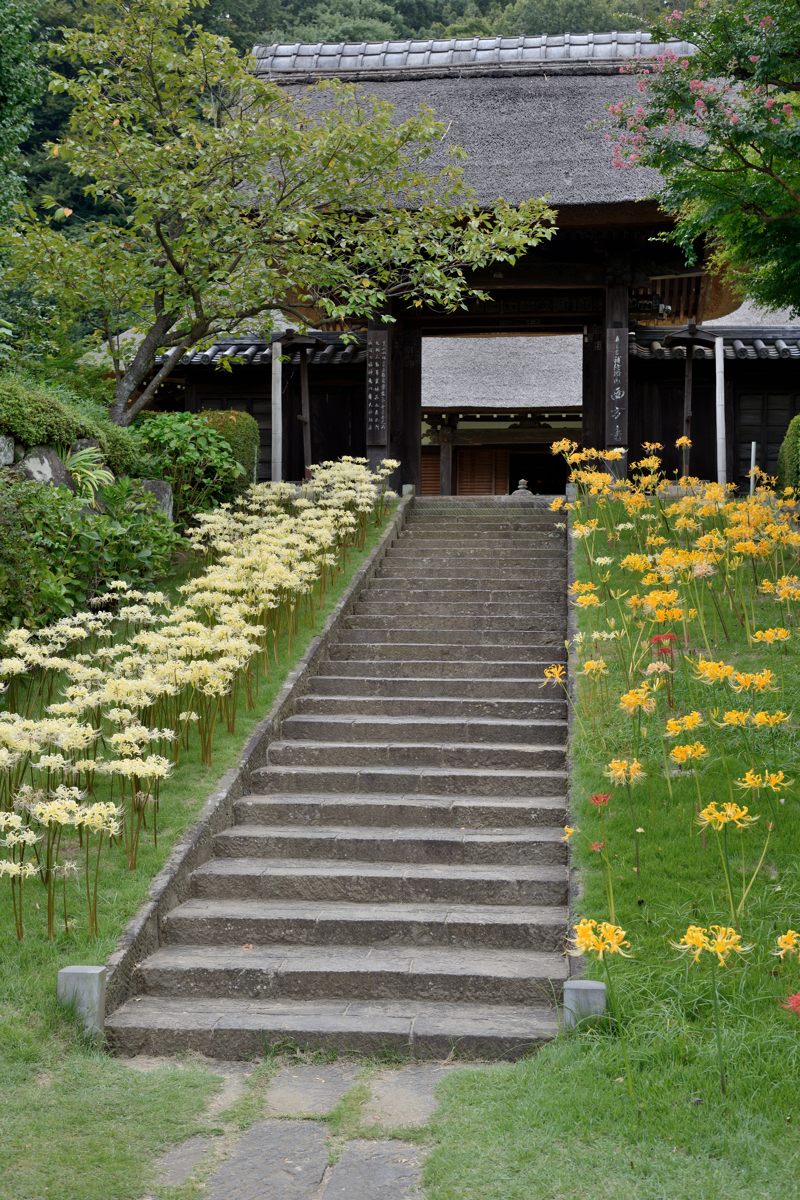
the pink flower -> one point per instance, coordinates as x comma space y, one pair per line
766, 23
675, 15
787, 110
754, 58
792, 1004
769, 103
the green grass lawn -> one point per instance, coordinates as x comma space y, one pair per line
75, 1124
560, 1124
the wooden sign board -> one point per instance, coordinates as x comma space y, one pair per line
377, 387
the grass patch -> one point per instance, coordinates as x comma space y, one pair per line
75, 1124
560, 1123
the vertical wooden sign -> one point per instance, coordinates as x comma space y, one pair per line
377, 387
617, 387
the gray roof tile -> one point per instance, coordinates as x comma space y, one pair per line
600, 48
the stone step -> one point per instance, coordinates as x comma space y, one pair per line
464, 632
461, 812
415, 571
411, 780
452, 592
454, 686
526, 674
347, 727
548, 646
286, 753
372, 883
449, 708
542, 845
477, 534
458, 613
243, 1029
398, 561
327, 922
438, 973
540, 547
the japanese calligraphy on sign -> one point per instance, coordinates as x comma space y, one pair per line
377, 387
616, 387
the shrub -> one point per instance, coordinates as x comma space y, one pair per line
56, 551
35, 417
789, 455
196, 460
242, 434
38, 413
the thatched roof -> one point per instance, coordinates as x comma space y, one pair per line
526, 110
502, 373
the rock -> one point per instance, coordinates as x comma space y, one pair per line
44, 466
85, 443
162, 492
6, 450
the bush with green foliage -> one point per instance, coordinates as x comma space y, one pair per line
789, 455
242, 434
39, 413
57, 552
198, 462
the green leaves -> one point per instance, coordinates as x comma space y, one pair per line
233, 197
723, 128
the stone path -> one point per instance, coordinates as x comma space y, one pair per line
396, 878
290, 1151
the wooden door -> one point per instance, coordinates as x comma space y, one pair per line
430, 471
481, 471
762, 417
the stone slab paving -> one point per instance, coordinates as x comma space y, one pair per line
405, 1098
287, 1155
274, 1160
370, 1170
310, 1091
180, 1162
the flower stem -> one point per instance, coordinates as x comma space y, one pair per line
723, 1082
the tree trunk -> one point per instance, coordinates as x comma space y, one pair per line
123, 410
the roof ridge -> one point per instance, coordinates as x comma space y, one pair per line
432, 54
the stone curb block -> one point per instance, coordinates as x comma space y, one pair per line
583, 998
171, 885
85, 988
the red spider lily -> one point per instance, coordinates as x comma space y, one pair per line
598, 846
599, 799
792, 1004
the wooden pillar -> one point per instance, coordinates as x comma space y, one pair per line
688, 383
593, 412
276, 473
446, 435
305, 408
405, 402
616, 383
377, 394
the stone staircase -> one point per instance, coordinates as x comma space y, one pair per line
396, 879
